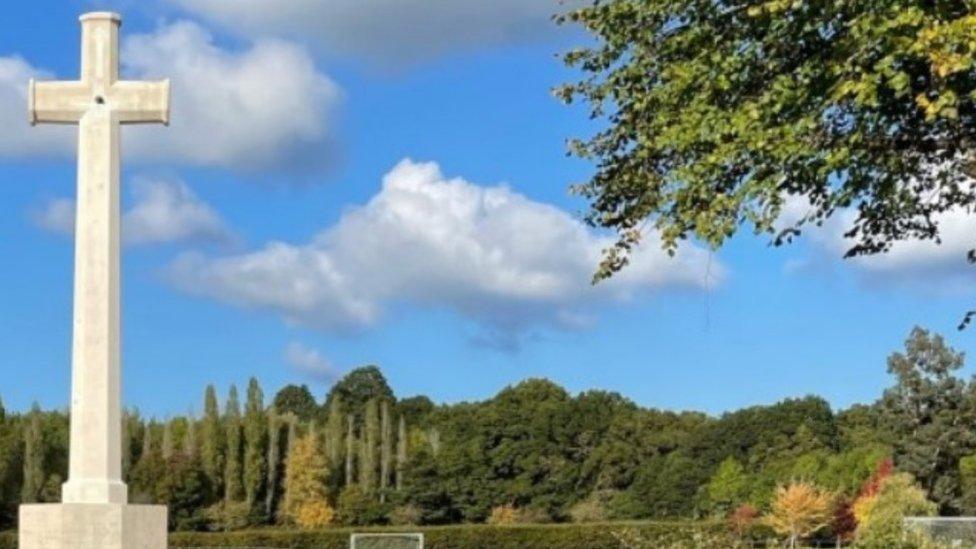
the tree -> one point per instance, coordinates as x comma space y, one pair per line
167, 440
357, 388
296, 399
386, 448
933, 410
350, 449
34, 474
723, 113
898, 497
798, 510
369, 437
967, 485
401, 452
728, 487
275, 425
233, 480
212, 450
334, 427
255, 443
305, 481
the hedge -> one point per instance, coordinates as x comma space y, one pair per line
473, 536
677, 535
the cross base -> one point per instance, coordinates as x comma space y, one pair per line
94, 491
92, 526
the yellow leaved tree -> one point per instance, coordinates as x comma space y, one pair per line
799, 509
306, 494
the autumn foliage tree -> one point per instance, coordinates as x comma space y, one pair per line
306, 499
798, 510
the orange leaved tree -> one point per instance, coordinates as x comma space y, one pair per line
798, 510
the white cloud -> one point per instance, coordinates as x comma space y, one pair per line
57, 216
487, 253
937, 265
310, 362
168, 211
389, 32
162, 211
265, 106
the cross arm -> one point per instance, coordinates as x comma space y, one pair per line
138, 102
57, 102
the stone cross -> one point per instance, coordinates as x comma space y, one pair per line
98, 103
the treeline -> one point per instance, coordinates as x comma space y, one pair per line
533, 453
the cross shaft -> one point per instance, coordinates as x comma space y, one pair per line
98, 102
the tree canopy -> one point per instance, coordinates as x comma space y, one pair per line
720, 113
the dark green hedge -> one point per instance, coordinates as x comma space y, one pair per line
556, 536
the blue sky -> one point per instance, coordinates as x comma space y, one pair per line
345, 185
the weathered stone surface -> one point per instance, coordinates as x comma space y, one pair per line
92, 526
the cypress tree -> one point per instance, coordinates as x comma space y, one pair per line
401, 461
233, 489
386, 448
212, 450
350, 448
255, 442
33, 458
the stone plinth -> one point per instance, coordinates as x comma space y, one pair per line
92, 526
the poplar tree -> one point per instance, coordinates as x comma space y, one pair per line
255, 445
350, 448
126, 443
167, 440
401, 462
190, 438
233, 489
274, 460
212, 451
334, 428
369, 441
33, 458
386, 448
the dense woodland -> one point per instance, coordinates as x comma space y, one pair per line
532, 453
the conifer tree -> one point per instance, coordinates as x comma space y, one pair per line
33, 458
401, 462
233, 488
255, 442
212, 449
386, 448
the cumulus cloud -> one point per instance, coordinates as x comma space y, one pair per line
914, 262
162, 211
310, 362
389, 32
488, 253
57, 216
265, 106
